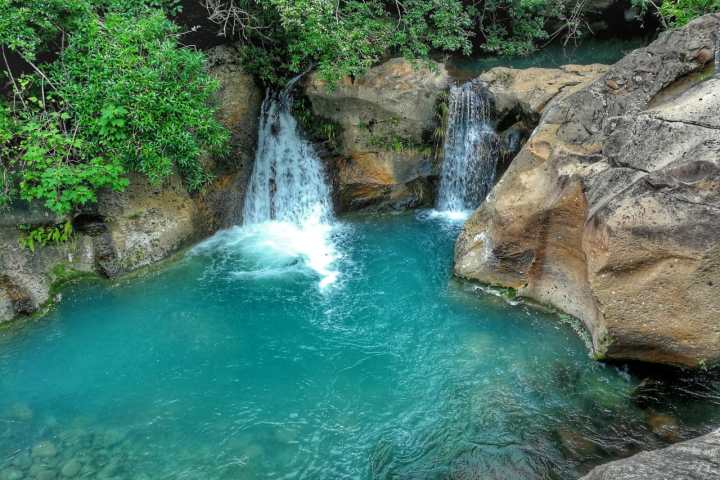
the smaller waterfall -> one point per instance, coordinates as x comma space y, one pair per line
470, 149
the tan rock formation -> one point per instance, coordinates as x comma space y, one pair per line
611, 211
387, 119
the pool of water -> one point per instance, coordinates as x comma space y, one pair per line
590, 50
238, 362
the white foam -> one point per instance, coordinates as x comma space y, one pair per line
273, 248
450, 215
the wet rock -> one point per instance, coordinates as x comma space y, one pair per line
44, 450
664, 426
110, 470
71, 469
696, 459
11, 474
22, 460
576, 444
19, 411
40, 472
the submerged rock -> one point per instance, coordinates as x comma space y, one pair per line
44, 449
611, 211
387, 118
696, 459
71, 468
11, 474
664, 426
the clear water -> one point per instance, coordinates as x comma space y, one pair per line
232, 363
590, 50
470, 150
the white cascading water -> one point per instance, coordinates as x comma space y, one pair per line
287, 215
470, 151
287, 183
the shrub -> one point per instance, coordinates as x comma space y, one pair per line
119, 95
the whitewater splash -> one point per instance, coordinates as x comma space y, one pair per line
470, 151
287, 215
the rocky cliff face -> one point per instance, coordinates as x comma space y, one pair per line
521, 95
611, 211
142, 225
387, 118
696, 459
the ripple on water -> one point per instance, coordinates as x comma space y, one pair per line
233, 363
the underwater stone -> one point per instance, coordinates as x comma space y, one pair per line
11, 474
44, 449
71, 468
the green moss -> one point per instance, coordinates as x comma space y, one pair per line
318, 129
63, 274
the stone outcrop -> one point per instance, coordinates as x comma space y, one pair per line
611, 211
239, 101
387, 118
696, 459
521, 95
146, 223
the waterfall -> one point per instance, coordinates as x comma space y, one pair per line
470, 149
287, 216
288, 182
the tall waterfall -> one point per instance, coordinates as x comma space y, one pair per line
470, 149
288, 223
287, 183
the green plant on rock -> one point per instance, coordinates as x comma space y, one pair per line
119, 95
282, 38
676, 13
442, 115
32, 237
318, 129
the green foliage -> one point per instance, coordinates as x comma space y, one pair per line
339, 37
43, 235
119, 95
318, 129
152, 97
513, 27
676, 13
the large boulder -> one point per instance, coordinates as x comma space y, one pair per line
522, 94
696, 459
387, 118
611, 211
143, 225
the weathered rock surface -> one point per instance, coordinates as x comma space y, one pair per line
387, 119
239, 102
696, 459
611, 211
142, 225
522, 94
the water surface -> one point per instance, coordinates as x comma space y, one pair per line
234, 363
589, 51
